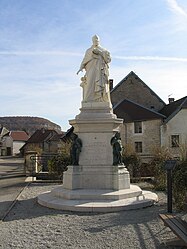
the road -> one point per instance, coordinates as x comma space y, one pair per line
12, 181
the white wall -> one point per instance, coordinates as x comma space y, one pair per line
16, 146
175, 126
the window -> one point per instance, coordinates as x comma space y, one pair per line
138, 127
174, 140
138, 147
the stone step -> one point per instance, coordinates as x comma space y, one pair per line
147, 198
96, 194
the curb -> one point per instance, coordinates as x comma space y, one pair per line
31, 179
11, 176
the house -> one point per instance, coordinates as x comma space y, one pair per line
42, 141
19, 138
174, 127
148, 121
11, 141
5, 142
39, 148
141, 127
56, 142
134, 89
66, 137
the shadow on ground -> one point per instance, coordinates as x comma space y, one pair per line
141, 227
29, 209
124, 223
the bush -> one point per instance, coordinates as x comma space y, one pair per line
58, 164
180, 184
131, 161
146, 170
157, 166
159, 174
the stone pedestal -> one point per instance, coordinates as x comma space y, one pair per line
97, 177
95, 184
95, 126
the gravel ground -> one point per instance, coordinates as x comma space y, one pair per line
29, 225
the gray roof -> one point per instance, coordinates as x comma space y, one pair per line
131, 111
173, 108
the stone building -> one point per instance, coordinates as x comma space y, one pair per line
149, 123
43, 141
134, 89
40, 148
141, 127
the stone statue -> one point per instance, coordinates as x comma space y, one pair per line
75, 149
117, 149
95, 83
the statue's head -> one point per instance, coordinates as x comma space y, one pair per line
117, 135
73, 136
95, 40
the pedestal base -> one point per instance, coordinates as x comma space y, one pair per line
96, 200
96, 185
96, 177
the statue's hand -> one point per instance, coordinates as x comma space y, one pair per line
95, 51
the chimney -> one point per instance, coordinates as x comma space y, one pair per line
111, 84
171, 100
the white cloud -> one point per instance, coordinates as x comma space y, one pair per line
36, 53
176, 8
164, 78
151, 58
178, 21
73, 54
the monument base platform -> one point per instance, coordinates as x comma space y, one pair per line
97, 200
96, 177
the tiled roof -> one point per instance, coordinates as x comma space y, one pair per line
19, 135
57, 137
130, 112
174, 106
67, 134
41, 135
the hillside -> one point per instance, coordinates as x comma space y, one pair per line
28, 124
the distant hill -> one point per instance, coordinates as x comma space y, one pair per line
28, 124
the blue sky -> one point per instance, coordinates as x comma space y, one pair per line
42, 43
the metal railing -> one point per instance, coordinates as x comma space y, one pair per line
40, 163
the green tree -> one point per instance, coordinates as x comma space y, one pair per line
58, 164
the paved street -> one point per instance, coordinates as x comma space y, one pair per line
12, 181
